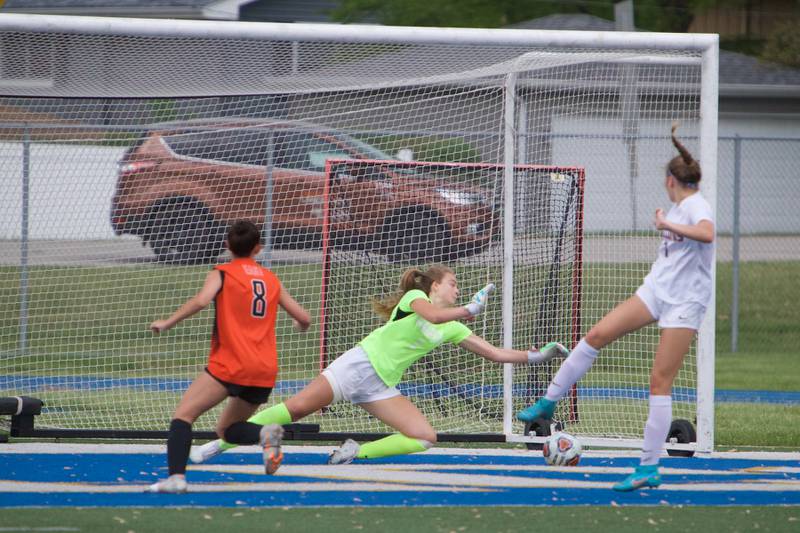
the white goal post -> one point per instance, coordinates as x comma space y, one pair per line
127, 146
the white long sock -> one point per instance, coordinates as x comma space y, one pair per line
656, 429
572, 369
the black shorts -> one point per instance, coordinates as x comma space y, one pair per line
254, 395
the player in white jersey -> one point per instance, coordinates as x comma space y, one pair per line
675, 294
420, 316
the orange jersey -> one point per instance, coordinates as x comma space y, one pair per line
243, 346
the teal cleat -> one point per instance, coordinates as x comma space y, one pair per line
543, 408
643, 476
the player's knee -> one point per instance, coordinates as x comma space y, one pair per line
299, 408
427, 444
220, 431
597, 338
660, 382
186, 417
427, 438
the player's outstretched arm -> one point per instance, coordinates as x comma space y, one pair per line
479, 346
300, 317
195, 304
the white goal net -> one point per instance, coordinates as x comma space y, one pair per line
531, 159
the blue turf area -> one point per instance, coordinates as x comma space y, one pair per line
237, 480
28, 385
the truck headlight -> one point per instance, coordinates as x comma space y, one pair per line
458, 197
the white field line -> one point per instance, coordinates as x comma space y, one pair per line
418, 478
27, 486
400, 474
397, 478
347, 471
595, 469
67, 448
772, 469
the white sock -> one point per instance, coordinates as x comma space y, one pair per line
656, 429
572, 369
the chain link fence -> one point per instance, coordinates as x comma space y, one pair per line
759, 243
758, 221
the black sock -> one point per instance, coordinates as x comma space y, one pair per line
243, 433
179, 442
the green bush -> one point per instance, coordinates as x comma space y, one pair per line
783, 45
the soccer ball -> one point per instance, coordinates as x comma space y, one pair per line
562, 449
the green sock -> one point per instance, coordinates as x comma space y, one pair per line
277, 414
397, 444
225, 445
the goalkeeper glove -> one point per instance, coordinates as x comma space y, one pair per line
546, 353
478, 302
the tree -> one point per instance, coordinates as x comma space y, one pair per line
783, 44
462, 13
652, 15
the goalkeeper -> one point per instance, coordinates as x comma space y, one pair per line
675, 293
421, 315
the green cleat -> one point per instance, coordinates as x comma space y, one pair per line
543, 408
643, 476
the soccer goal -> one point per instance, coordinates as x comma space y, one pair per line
450, 213
533, 159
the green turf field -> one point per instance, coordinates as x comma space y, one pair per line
769, 335
418, 520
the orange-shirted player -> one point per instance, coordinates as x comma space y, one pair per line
243, 362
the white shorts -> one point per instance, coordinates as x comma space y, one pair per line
684, 315
353, 378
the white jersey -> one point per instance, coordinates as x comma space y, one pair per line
682, 272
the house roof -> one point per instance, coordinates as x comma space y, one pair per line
576, 22
739, 74
209, 9
264, 10
78, 4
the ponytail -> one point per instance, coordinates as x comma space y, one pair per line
683, 167
413, 278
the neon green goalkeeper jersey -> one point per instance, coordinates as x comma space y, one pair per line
407, 337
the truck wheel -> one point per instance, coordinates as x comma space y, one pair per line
181, 230
415, 234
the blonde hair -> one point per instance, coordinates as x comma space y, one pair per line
413, 278
683, 167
